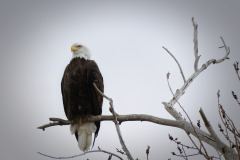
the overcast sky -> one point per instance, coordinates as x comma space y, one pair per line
125, 39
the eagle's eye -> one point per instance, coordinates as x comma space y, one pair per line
79, 46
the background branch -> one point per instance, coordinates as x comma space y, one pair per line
99, 150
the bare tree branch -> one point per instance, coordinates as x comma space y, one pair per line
121, 118
205, 154
147, 152
235, 97
179, 66
181, 91
69, 157
56, 122
211, 130
227, 49
100, 92
236, 68
229, 128
195, 40
116, 122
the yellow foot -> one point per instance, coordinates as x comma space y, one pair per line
80, 121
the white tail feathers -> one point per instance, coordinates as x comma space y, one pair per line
84, 134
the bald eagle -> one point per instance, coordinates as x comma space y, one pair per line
80, 99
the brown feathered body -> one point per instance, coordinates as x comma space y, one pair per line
80, 98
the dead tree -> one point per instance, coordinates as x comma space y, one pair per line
209, 137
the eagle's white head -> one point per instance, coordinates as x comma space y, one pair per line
81, 51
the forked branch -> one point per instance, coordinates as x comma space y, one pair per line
169, 106
115, 120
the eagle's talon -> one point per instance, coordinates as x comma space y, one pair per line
80, 121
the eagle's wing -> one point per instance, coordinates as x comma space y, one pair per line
64, 95
95, 76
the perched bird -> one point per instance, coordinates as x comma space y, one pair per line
80, 98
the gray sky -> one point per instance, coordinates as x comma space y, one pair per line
125, 39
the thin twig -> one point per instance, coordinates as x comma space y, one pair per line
199, 150
147, 152
235, 97
69, 157
179, 66
56, 122
227, 49
100, 92
229, 126
182, 146
185, 155
116, 123
236, 68
191, 155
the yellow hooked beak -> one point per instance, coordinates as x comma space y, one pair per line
73, 48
